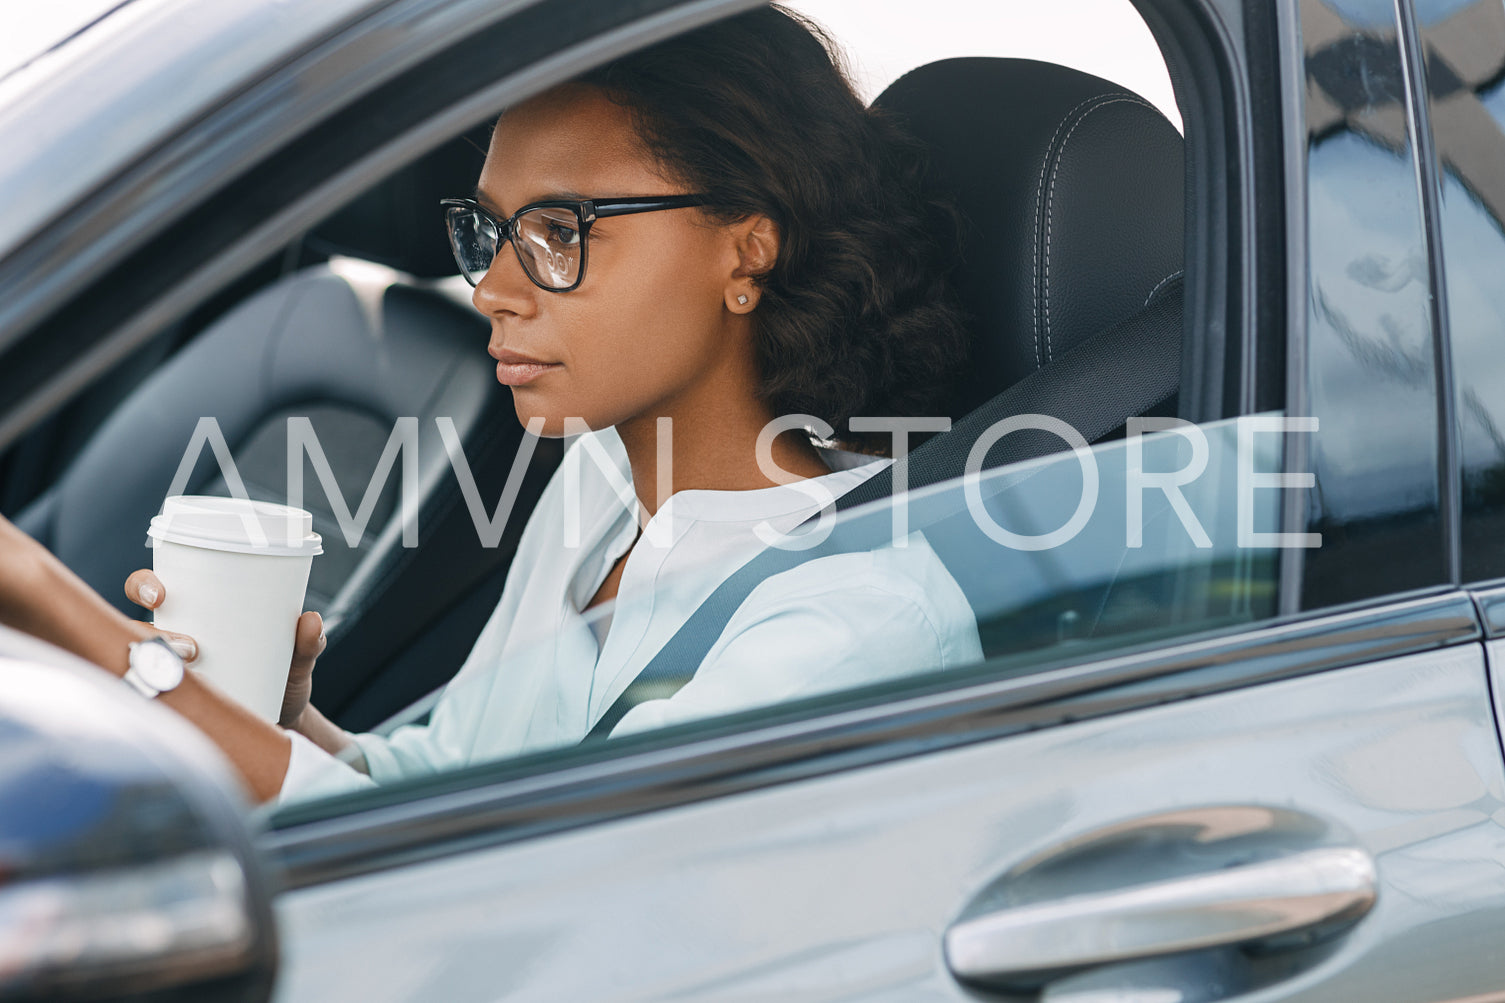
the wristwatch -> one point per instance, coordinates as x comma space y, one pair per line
154, 667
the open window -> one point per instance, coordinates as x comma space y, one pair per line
1087, 209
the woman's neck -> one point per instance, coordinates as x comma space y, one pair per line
717, 456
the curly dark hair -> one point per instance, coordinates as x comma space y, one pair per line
857, 316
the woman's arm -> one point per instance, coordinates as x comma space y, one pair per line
42, 597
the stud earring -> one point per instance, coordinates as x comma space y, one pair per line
742, 299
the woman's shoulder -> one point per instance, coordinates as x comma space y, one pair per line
908, 567
834, 622
901, 581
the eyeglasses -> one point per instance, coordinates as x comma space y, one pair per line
549, 237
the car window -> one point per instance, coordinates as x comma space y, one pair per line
1465, 47
1127, 560
1162, 535
1076, 556
1371, 375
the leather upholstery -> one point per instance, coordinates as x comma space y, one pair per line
1071, 189
353, 353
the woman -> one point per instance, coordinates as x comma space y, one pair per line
706, 236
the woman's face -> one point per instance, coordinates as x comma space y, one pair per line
654, 327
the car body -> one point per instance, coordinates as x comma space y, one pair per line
1257, 772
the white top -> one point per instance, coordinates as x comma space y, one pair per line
537, 678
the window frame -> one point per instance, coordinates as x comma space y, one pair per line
1429, 184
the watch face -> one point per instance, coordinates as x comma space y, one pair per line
157, 665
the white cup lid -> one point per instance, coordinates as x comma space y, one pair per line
236, 525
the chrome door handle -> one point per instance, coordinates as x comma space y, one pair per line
1232, 906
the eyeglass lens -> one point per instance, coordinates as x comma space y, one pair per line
547, 240
474, 239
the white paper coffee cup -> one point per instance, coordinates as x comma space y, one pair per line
235, 572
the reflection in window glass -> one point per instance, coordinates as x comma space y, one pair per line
1465, 44
1494, 103
1371, 375
1430, 12
1378, 14
1097, 589
1177, 539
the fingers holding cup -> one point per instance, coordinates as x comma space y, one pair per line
309, 641
186, 647
144, 588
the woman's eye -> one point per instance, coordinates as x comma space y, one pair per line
563, 233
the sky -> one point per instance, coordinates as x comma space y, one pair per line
885, 38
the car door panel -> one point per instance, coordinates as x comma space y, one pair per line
842, 887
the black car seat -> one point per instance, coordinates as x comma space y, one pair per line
1071, 189
353, 344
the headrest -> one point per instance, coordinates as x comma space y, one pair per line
1071, 189
398, 223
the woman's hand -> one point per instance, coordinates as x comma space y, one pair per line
143, 588
308, 644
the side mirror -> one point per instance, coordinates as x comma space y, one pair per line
126, 868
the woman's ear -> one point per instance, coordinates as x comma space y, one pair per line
757, 244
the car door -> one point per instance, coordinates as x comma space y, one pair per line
1270, 775
845, 886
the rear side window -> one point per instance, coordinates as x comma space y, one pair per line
1465, 53
1371, 375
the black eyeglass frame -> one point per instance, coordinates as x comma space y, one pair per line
587, 211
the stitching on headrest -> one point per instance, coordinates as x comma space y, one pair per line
1034, 288
1173, 276
1097, 102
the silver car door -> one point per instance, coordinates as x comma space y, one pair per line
1332, 836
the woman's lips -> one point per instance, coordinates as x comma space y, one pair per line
515, 374
515, 370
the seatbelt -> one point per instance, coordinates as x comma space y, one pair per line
1086, 387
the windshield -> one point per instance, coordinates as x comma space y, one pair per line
33, 29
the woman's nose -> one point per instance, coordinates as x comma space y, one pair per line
505, 288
